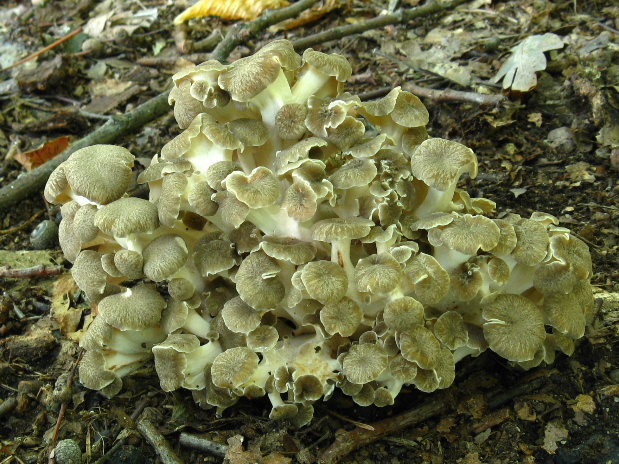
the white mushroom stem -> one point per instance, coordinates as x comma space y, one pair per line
134, 341
437, 201
273, 220
448, 258
196, 324
271, 99
340, 254
204, 153
308, 84
122, 363
197, 361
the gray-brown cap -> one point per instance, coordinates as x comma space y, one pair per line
325, 281
288, 249
449, 328
403, 314
364, 363
211, 256
127, 216
100, 173
249, 76
378, 273
329, 230
234, 367
93, 374
428, 278
439, 163
467, 234
239, 316
514, 327
261, 188
342, 317
136, 308
164, 256
420, 345
88, 273
355, 173
258, 283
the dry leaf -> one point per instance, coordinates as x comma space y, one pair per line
35, 158
229, 9
518, 71
554, 433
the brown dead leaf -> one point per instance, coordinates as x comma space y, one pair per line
68, 318
554, 433
308, 16
35, 158
525, 411
518, 71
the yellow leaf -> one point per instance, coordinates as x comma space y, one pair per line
229, 9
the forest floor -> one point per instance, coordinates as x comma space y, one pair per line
554, 148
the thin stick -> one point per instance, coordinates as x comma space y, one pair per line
454, 95
35, 271
347, 442
25, 224
374, 23
158, 441
241, 32
202, 444
43, 50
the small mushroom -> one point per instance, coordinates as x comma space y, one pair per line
136, 308
379, 273
325, 281
257, 281
342, 317
164, 256
364, 363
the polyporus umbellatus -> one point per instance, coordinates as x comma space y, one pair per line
303, 240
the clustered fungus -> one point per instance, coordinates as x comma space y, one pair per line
297, 239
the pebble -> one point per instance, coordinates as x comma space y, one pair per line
68, 452
44, 236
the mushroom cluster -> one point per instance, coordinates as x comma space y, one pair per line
297, 239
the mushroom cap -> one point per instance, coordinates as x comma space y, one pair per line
531, 242
565, 314
84, 223
199, 199
378, 273
299, 151
420, 345
240, 317
257, 282
507, 239
403, 314
466, 280
136, 308
170, 359
325, 281
261, 188
94, 375
249, 76
514, 327
127, 216
158, 168
234, 367
263, 338
129, 263
213, 256
439, 163
232, 211
347, 134
364, 363
342, 317
329, 64
164, 256
403, 369
290, 121
299, 201
217, 172
355, 173
329, 230
88, 273
101, 173
169, 202
327, 113
429, 279
449, 328
467, 234
288, 249
307, 389
56, 184
250, 132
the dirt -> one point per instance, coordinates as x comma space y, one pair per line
550, 149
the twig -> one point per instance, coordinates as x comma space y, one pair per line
375, 23
34, 271
454, 95
347, 442
8, 406
241, 32
172, 60
43, 50
21, 226
202, 444
158, 441
63, 408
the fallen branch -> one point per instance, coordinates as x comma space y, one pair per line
202, 444
454, 95
43, 50
35, 271
381, 21
154, 437
347, 442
